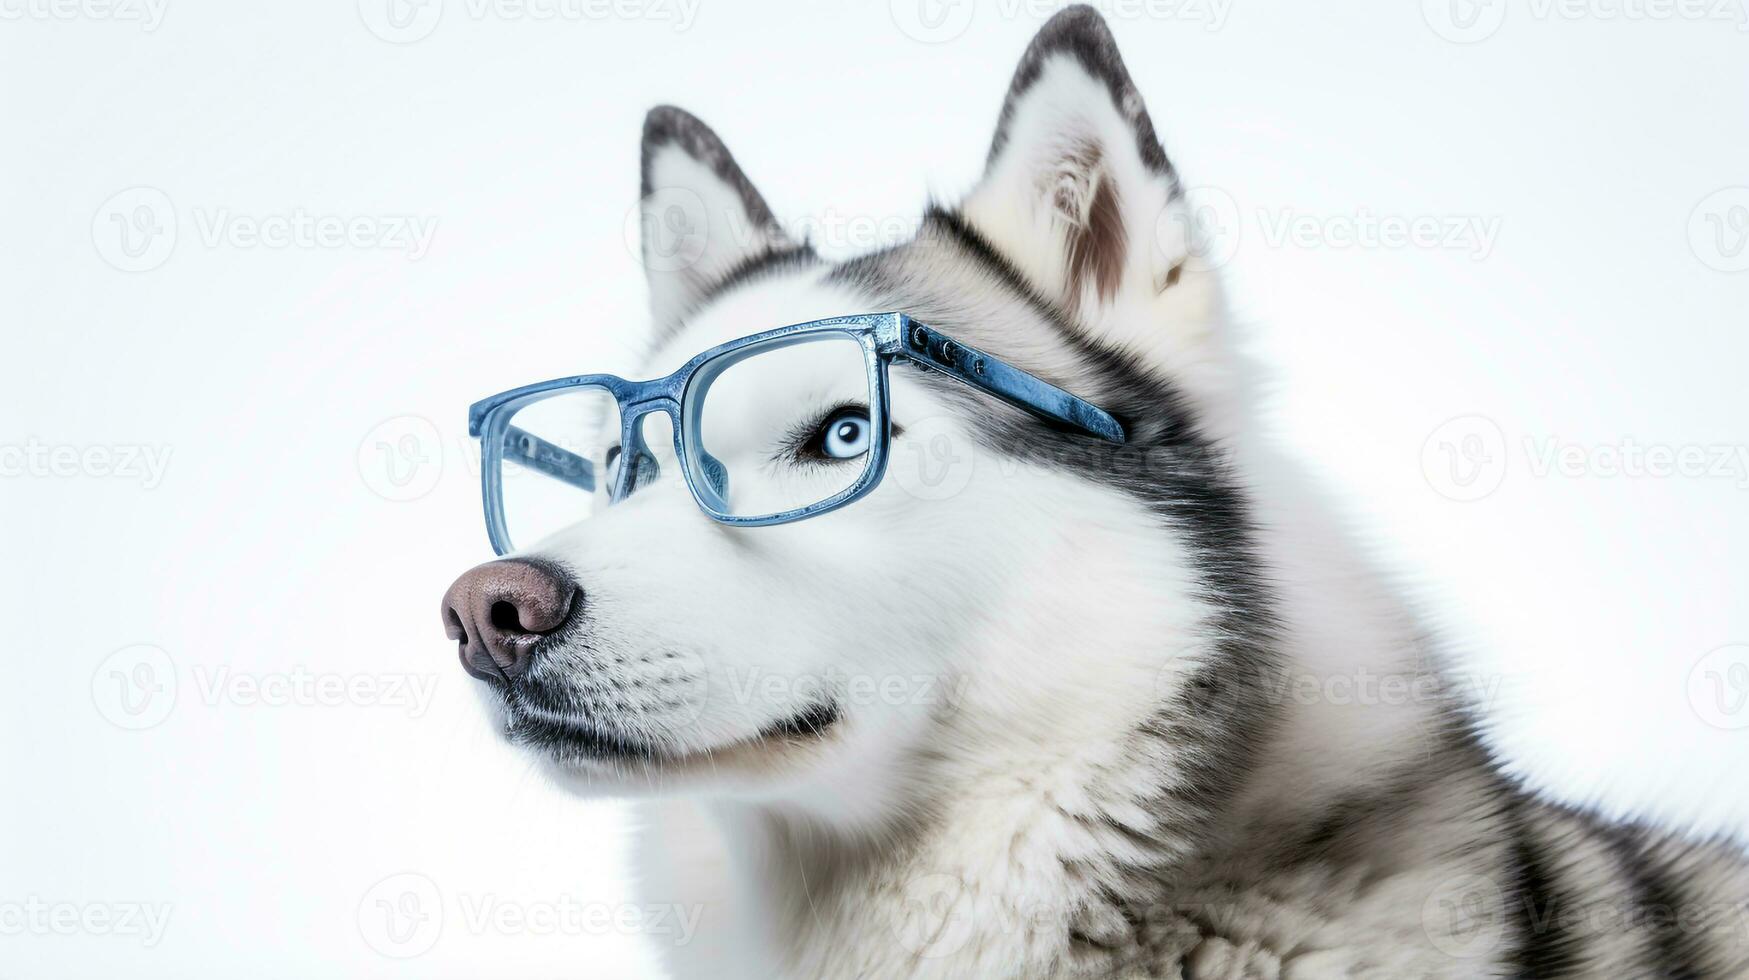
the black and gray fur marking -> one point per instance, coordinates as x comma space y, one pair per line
1545, 947
1223, 717
1081, 33
668, 125
1671, 953
771, 262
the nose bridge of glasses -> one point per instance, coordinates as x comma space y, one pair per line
657, 423
640, 466
637, 411
705, 475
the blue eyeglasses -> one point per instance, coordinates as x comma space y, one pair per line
777, 427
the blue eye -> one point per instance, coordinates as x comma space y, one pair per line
846, 434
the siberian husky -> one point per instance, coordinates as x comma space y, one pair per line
1037, 705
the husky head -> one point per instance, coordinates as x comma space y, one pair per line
1011, 595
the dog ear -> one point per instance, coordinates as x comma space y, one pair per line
700, 217
1080, 197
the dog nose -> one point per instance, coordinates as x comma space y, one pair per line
497, 611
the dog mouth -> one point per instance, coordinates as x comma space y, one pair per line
575, 739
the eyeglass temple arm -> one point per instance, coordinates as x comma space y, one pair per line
986, 373
538, 454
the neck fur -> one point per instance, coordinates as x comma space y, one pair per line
1161, 757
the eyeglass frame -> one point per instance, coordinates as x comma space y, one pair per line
883, 337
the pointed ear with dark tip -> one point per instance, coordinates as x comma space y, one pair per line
700, 217
1080, 197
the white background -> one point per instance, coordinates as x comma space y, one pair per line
283, 380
